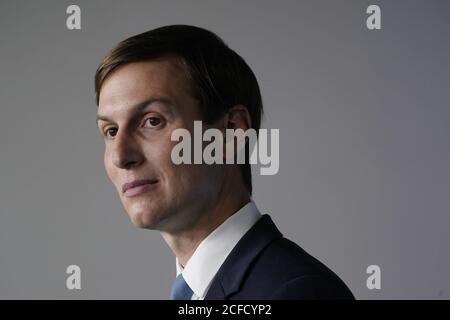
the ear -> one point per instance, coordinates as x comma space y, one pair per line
236, 118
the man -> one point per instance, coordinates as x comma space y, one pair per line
165, 79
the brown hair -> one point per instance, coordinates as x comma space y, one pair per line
220, 77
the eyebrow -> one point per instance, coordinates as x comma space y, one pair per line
138, 107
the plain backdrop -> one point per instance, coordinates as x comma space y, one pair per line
364, 142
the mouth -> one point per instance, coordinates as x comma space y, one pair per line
138, 187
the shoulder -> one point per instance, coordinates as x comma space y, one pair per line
283, 270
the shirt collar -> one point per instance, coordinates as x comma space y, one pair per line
213, 250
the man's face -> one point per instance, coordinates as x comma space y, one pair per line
140, 104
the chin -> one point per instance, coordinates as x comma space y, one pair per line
144, 218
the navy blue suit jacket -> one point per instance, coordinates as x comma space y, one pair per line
265, 265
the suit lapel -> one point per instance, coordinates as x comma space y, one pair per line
232, 272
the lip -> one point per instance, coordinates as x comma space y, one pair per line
138, 186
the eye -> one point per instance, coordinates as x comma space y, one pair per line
153, 121
112, 131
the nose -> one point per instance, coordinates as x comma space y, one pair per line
126, 151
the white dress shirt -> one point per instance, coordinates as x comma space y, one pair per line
214, 249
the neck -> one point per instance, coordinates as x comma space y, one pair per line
184, 243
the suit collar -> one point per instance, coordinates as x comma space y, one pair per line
231, 274
211, 253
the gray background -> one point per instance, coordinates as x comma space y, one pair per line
364, 151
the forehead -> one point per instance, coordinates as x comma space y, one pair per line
135, 82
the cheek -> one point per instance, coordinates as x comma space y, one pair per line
160, 158
179, 177
108, 166
158, 151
